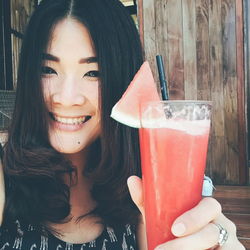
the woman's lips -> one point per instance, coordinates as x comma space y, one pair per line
67, 127
69, 123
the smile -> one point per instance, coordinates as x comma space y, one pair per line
70, 120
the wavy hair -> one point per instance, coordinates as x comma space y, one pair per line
34, 171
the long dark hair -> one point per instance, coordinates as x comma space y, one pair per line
34, 171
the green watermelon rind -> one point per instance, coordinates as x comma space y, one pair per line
124, 118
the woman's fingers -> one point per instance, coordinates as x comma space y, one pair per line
135, 189
200, 229
195, 219
206, 238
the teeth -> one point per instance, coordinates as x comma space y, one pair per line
70, 120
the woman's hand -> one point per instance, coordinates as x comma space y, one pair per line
195, 229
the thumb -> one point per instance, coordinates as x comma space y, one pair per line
135, 189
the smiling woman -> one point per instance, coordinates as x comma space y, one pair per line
71, 83
71, 160
66, 163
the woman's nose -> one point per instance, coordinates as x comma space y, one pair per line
68, 94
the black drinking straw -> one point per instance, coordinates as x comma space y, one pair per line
162, 77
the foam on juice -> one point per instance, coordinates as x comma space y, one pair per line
190, 127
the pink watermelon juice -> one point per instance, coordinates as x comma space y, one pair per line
173, 161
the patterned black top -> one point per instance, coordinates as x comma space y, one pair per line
27, 238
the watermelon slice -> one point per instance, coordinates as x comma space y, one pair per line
142, 89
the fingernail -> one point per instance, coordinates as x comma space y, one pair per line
178, 229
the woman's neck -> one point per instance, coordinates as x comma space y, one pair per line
80, 192
82, 203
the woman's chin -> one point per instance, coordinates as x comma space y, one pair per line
68, 151
69, 148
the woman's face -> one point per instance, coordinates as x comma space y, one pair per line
70, 82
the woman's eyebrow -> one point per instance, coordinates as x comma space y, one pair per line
49, 57
91, 59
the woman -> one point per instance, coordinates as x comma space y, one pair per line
66, 163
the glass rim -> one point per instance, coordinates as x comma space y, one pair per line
179, 101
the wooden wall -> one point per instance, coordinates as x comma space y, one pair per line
201, 42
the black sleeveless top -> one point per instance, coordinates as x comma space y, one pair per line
27, 238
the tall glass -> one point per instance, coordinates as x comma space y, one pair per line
173, 144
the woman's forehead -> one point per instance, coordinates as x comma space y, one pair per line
71, 36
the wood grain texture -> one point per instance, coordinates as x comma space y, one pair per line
175, 49
189, 49
230, 90
161, 27
149, 31
202, 49
217, 97
202, 62
140, 20
243, 172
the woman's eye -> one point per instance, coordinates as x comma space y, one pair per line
47, 71
92, 74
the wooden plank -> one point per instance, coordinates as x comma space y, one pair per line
202, 53
202, 47
230, 192
189, 49
161, 23
149, 33
242, 219
216, 82
243, 170
246, 9
234, 199
235, 207
230, 91
243, 232
175, 49
140, 20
